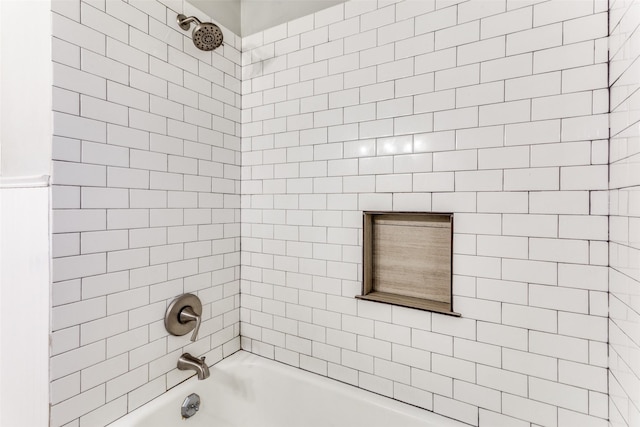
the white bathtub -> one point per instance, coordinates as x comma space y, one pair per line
246, 390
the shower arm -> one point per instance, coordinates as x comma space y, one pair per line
185, 23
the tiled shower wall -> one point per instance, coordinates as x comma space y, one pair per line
146, 202
493, 110
624, 246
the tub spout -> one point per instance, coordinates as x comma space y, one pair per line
188, 362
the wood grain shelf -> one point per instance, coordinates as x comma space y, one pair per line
411, 302
408, 259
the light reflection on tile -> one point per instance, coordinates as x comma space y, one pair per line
395, 145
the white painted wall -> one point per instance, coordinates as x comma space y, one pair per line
246, 17
25, 158
24, 303
226, 12
25, 87
258, 15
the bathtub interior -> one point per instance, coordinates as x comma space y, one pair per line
248, 390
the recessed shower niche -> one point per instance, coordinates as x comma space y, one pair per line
407, 259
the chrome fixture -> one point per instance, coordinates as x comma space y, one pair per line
206, 36
184, 315
190, 406
187, 362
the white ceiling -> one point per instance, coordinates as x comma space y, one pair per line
245, 17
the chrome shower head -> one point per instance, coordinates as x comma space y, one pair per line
206, 36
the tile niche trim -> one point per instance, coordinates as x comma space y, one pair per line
407, 260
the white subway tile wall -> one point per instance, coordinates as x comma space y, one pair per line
494, 110
146, 202
624, 220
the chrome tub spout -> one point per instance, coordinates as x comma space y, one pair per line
188, 362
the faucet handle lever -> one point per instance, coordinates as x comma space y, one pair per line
188, 315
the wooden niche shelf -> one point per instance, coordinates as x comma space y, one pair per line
407, 260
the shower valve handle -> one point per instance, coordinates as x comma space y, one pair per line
183, 315
188, 315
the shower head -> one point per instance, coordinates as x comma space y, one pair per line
206, 35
